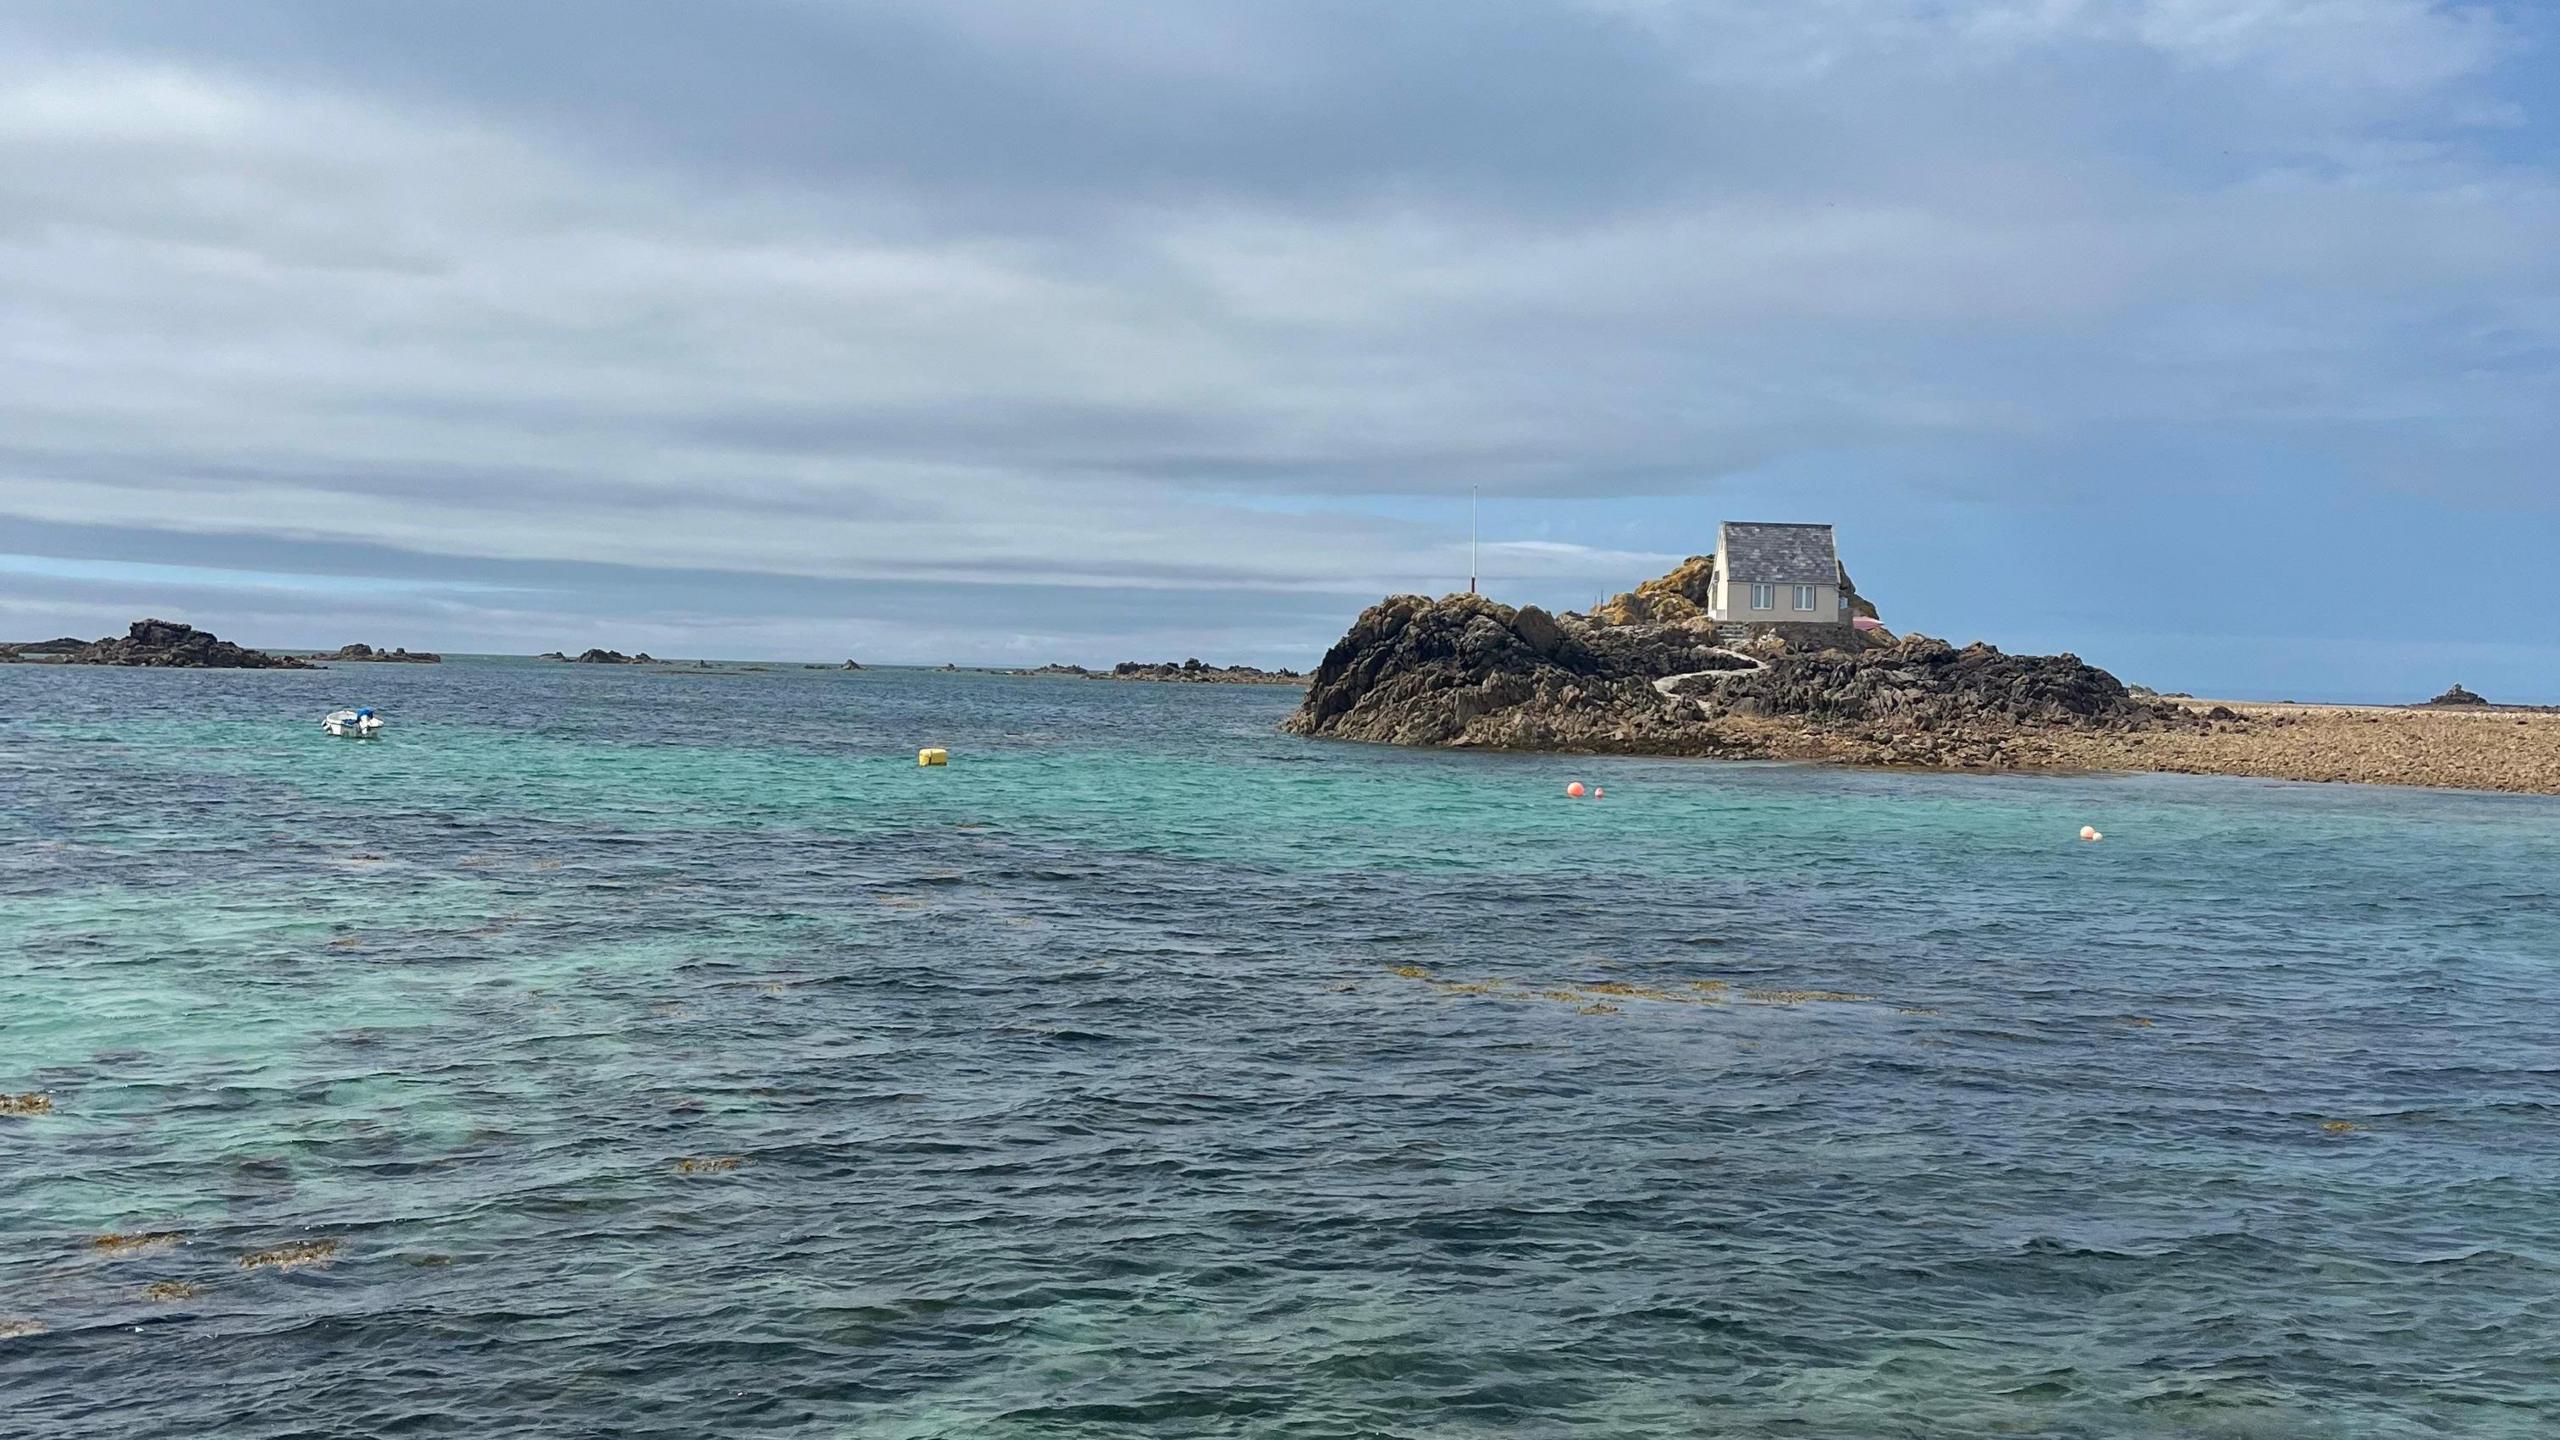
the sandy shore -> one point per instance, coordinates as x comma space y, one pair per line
2489, 749
2510, 750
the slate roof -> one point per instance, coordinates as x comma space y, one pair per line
1758, 554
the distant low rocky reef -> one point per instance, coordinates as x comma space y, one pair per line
602, 657
163, 644
1187, 672
1192, 672
364, 652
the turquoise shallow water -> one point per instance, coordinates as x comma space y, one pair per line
1148, 1072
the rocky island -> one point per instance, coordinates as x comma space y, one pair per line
1648, 673
162, 644
602, 657
367, 653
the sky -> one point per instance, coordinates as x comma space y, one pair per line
2216, 341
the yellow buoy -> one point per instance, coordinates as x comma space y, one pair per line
933, 755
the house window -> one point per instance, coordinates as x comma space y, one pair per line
1804, 598
1764, 597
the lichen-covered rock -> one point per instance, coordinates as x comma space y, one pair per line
1680, 595
1467, 671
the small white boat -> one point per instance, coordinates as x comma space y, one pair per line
353, 724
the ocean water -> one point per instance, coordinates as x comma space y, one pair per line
1148, 1072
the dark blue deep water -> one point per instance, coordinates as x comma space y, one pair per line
665, 1054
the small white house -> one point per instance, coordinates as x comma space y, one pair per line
1776, 574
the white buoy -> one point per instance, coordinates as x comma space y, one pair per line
2090, 832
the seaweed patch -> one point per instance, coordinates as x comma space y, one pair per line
164, 1292
31, 1103
707, 1164
291, 1257
116, 1247
12, 1329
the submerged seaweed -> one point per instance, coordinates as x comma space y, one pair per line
1802, 997
292, 1257
30, 1103
117, 1247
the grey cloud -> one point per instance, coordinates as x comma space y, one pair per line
1161, 297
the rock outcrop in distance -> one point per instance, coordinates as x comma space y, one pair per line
602, 657
43, 650
362, 651
1192, 672
2457, 696
1466, 671
160, 644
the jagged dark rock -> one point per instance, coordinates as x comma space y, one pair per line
365, 652
1193, 672
1467, 671
850, 665
168, 644
2457, 696
607, 657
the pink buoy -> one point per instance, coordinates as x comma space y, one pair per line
2090, 832
1574, 790
1597, 792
